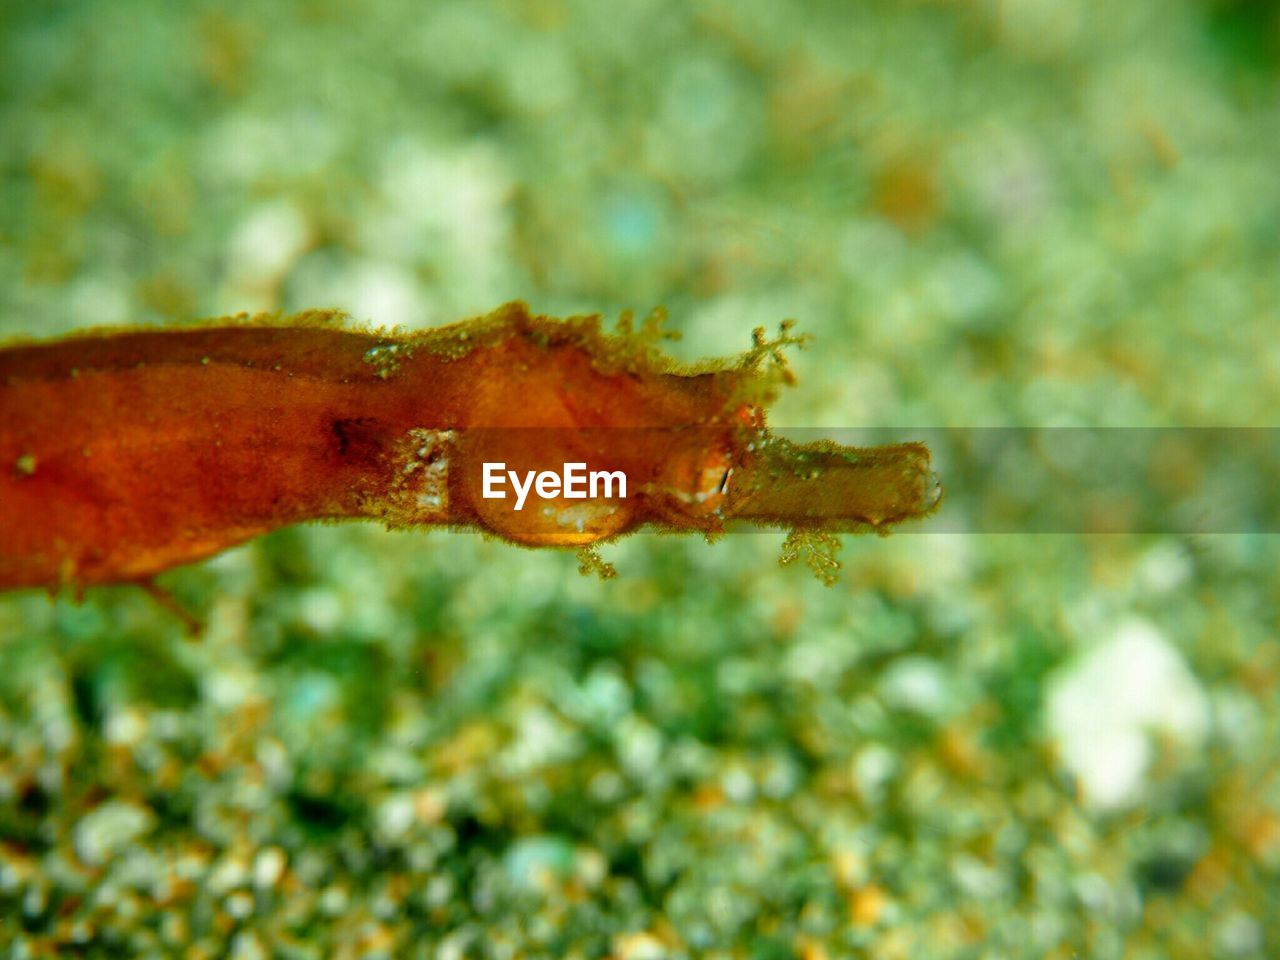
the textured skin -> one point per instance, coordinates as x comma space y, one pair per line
124, 454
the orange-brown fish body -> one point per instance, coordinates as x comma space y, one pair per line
125, 454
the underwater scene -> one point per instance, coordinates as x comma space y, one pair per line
640, 480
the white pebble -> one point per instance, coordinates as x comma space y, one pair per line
106, 831
268, 867
1103, 707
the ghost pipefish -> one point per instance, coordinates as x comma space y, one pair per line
125, 453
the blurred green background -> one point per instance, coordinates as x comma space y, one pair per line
1024, 213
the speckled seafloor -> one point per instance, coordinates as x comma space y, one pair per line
1037, 212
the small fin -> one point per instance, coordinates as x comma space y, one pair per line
190, 622
590, 561
818, 549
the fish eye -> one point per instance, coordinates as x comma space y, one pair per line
699, 485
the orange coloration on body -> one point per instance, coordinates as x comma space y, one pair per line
123, 454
